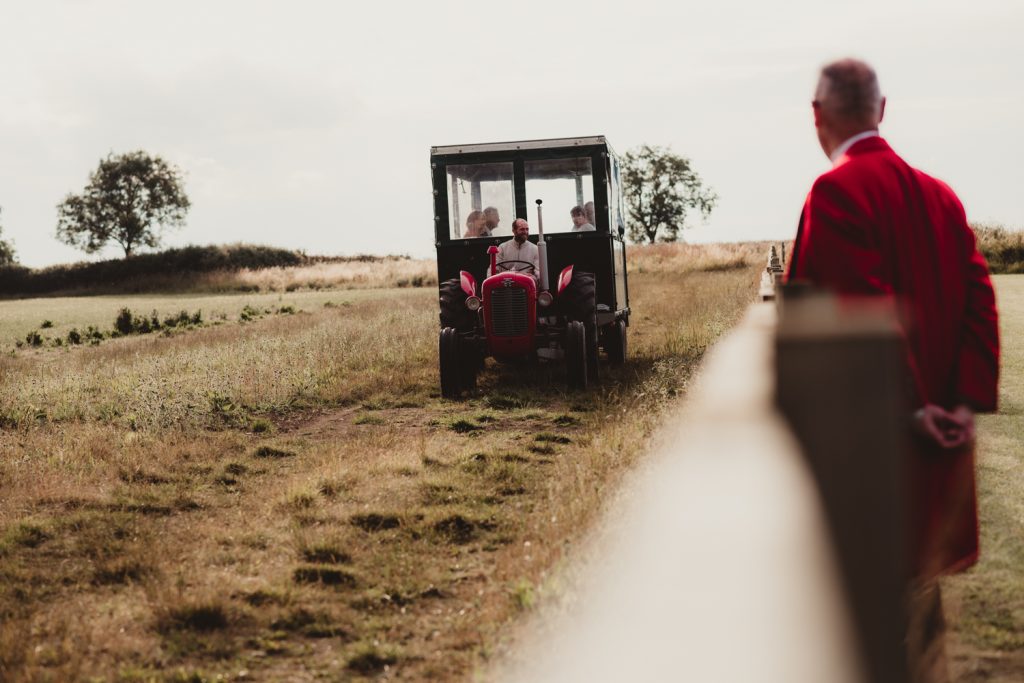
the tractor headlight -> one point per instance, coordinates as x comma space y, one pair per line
545, 298
473, 303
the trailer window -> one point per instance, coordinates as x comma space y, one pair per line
481, 199
618, 221
566, 187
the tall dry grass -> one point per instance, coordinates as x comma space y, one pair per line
679, 257
387, 272
1002, 247
230, 372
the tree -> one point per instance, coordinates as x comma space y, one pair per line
130, 199
7, 256
660, 187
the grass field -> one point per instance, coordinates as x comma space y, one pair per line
21, 316
987, 603
288, 497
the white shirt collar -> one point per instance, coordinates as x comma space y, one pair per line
850, 142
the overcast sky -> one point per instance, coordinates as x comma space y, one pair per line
309, 124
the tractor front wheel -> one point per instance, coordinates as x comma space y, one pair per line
448, 356
576, 355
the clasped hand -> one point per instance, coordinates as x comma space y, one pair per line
949, 429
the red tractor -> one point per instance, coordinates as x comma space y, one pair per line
509, 309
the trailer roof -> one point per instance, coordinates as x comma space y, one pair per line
521, 144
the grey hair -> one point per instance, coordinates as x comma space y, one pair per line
849, 89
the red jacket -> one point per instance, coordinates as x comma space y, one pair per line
875, 226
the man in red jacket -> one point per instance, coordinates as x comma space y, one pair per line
873, 225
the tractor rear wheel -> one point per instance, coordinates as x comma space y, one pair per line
578, 301
576, 355
615, 342
453, 306
448, 357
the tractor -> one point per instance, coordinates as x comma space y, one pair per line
565, 307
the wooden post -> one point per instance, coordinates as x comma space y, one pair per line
840, 385
771, 278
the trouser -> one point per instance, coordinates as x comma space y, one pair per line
926, 634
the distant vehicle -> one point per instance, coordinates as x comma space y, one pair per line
576, 304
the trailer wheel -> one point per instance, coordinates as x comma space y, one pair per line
448, 359
453, 306
615, 342
576, 355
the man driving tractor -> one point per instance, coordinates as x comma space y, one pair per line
520, 249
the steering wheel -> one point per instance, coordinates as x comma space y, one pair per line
506, 268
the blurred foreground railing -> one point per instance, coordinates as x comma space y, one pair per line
763, 543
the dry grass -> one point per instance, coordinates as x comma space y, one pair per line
390, 272
21, 316
148, 531
228, 374
679, 258
1003, 248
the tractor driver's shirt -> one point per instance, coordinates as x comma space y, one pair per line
527, 252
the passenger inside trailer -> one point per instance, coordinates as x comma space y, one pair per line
481, 200
481, 197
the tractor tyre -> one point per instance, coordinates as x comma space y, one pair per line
576, 355
578, 301
615, 342
448, 359
453, 307
470, 362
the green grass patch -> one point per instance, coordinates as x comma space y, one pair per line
309, 623
369, 659
548, 437
327, 575
463, 426
375, 521
325, 552
26, 535
272, 452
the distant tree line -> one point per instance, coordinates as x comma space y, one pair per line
145, 270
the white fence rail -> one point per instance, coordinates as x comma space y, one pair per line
762, 544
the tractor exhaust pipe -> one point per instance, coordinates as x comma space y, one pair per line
542, 249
